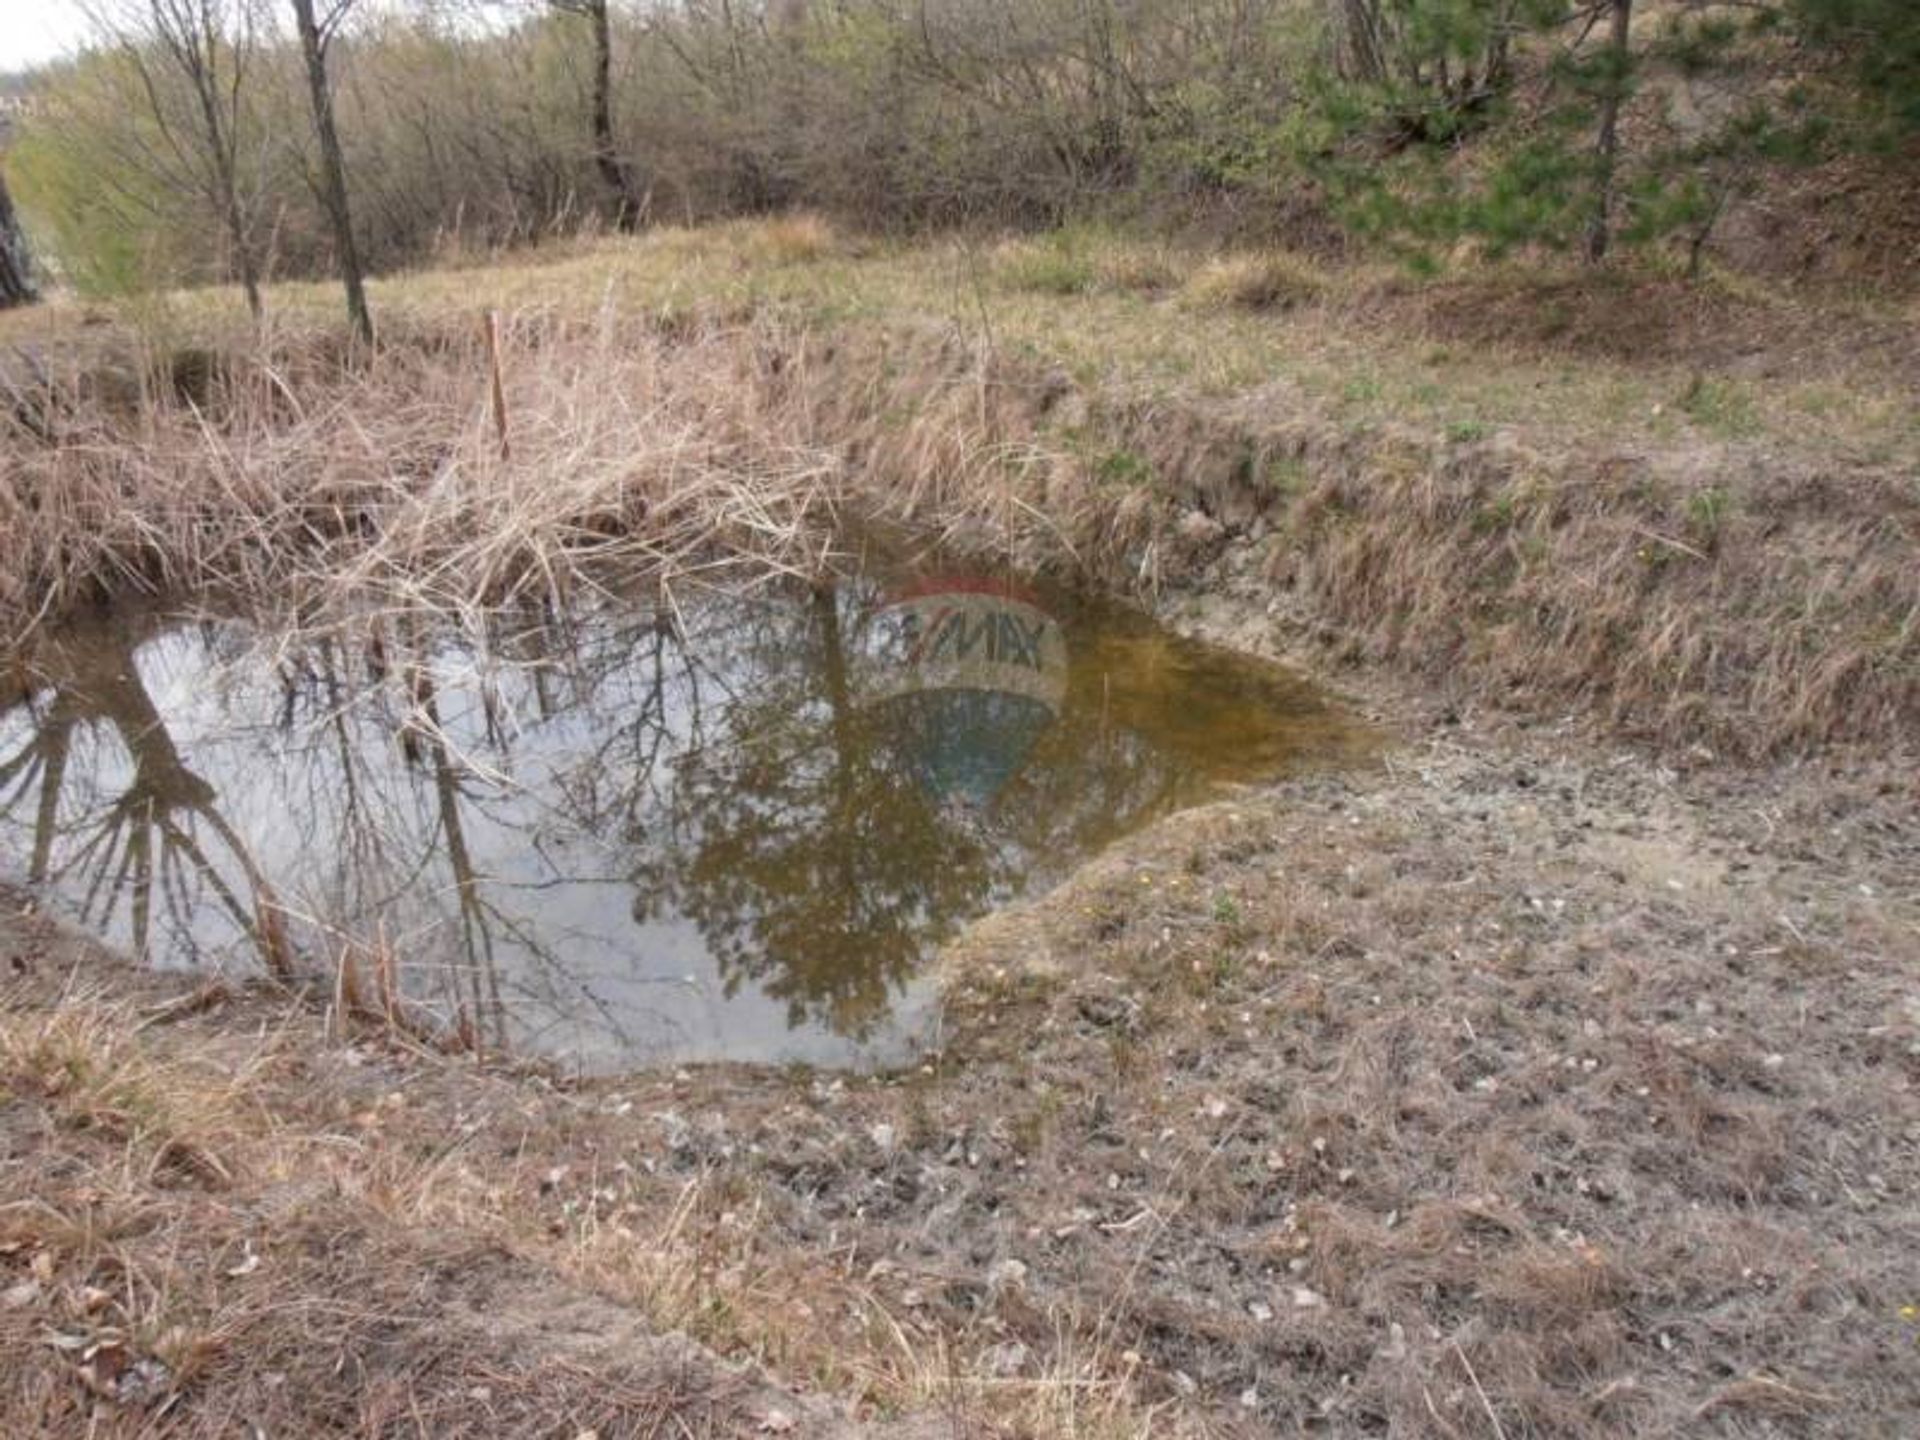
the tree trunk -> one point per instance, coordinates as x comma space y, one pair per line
1607, 143
606, 154
1359, 46
221, 146
333, 174
16, 285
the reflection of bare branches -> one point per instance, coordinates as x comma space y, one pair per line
476, 937
593, 825
42, 757
482, 923
146, 838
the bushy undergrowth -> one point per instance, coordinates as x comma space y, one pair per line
1420, 125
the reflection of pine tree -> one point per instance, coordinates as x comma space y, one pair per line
804, 850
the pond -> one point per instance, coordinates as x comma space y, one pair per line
624, 834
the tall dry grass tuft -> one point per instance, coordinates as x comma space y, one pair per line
1271, 280
289, 474
797, 239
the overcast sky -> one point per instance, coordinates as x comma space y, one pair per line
36, 30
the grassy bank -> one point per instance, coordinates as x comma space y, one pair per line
1688, 509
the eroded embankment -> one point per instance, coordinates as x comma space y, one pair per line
1699, 596
1709, 595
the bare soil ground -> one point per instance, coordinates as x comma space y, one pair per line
1525, 1086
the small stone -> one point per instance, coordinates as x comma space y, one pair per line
1396, 1346
1305, 1298
1007, 1274
882, 1136
143, 1383
18, 1297
1006, 1359
1260, 1311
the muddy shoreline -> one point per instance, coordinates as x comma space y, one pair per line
1528, 1083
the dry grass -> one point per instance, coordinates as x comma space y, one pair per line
182, 1241
212, 1203
1578, 360
802, 238
1267, 281
1758, 612
287, 474
1468, 1131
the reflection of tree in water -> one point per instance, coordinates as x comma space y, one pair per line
494, 809
161, 835
454, 705
824, 846
802, 847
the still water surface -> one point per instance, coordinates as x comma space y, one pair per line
618, 838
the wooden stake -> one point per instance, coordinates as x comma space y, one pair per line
491, 330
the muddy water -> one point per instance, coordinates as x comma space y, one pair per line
618, 837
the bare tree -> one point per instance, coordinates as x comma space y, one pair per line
209, 45
614, 170
1394, 43
1619, 64
316, 34
16, 283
